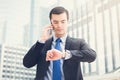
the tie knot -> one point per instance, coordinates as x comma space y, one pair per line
58, 40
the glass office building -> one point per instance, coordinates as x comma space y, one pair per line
98, 22
11, 67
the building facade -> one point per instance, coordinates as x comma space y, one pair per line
98, 22
11, 67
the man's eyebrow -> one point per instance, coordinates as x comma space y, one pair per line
58, 21
63, 20
55, 21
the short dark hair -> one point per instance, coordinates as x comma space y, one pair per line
58, 10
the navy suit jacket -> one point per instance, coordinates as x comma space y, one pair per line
80, 51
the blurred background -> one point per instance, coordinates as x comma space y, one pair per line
96, 21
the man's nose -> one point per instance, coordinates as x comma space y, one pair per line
59, 24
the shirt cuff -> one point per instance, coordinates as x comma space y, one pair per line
41, 41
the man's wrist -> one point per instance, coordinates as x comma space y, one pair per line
63, 54
66, 54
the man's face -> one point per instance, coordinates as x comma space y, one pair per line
59, 23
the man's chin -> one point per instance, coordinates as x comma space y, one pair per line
60, 34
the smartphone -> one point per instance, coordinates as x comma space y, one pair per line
50, 31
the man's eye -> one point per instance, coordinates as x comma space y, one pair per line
55, 22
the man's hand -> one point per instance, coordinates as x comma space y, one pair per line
45, 34
53, 55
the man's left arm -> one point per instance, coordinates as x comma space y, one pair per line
83, 53
80, 51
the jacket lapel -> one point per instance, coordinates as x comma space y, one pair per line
68, 43
48, 44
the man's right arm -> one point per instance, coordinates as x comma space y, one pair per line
33, 55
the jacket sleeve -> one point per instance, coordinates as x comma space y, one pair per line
32, 56
83, 53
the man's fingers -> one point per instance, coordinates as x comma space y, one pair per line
49, 55
48, 27
53, 55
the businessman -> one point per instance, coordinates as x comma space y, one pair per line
58, 56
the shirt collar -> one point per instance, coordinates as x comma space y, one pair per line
63, 39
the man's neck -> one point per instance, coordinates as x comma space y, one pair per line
59, 36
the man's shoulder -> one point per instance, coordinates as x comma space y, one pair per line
75, 39
49, 39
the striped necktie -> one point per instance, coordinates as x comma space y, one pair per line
56, 63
